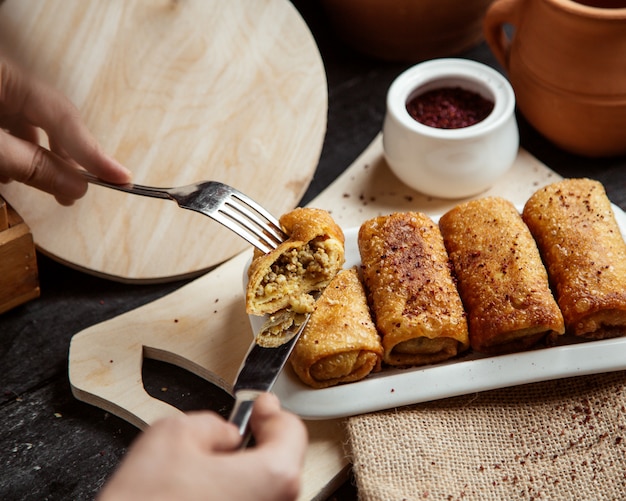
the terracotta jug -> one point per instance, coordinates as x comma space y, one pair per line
566, 61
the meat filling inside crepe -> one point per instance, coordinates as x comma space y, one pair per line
281, 283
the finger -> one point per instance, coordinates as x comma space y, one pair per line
58, 150
214, 432
44, 107
206, 429
281, 441
40, 168
60, 119
278, 431
22, 129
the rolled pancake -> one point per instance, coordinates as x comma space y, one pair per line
340, 343
502, 281
415, 304
280, 282
585, 254
307, 261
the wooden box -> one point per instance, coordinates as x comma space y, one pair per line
19, 281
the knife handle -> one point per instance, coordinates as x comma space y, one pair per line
240, 415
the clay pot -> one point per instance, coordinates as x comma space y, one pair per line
408, 30
566, 63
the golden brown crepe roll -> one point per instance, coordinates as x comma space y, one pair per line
280, 282
416, 306
501, 279
305, 262
585, 254
340, 343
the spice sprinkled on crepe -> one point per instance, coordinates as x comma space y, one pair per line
501, 279
585, 254
407, 274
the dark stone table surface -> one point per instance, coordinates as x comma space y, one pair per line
55, 447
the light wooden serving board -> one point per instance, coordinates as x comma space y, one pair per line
179, 92
203, 326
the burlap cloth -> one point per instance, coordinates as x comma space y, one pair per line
563, 439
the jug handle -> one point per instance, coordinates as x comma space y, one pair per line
498, 14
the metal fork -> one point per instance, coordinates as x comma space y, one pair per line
252, 222
222, 203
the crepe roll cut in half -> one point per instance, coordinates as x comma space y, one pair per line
409, 283
585, 254
502, 281
281, 282
340, 343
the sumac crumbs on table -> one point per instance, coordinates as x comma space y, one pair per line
449, 108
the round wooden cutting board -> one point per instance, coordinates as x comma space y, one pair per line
179, 91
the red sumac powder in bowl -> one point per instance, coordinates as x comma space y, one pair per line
449, 108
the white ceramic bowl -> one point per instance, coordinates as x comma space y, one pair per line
450, 163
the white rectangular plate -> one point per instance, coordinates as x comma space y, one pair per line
467, 374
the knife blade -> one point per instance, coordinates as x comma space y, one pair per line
257, 374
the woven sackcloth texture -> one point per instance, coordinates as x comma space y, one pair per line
558, 440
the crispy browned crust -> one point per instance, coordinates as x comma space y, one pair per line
585, 254
308, 260
416, 306
340, 343
501, 279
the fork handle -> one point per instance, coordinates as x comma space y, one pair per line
136, 189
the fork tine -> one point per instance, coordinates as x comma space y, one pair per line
267, 220
250, 221
246, 230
